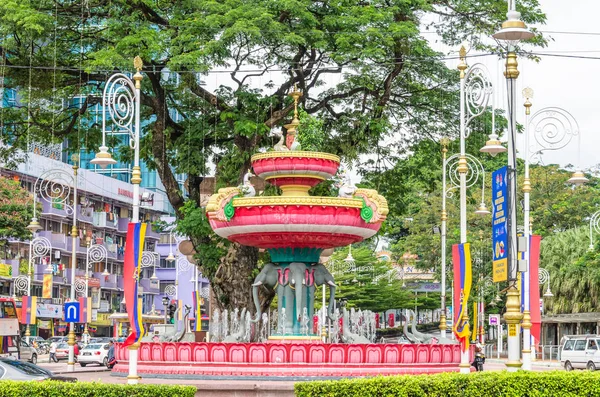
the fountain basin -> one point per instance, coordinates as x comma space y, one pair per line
293, 359
295, 169
295, 222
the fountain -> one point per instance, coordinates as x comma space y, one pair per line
294, 228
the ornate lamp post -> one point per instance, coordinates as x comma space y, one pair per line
553, 129
451, 181
95, 253
475, 93
121, 99
149, 259
39, 247
513, 30
594, 227
182, 266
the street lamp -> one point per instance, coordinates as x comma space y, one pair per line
513, 30
95, 253
544, 278
450, 182
553, 129
121, 99
182, 266
594, 227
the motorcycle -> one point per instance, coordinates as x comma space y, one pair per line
479, 359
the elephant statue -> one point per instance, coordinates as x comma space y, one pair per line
273, 276
350, 337
240, 335
320, 275
298, 283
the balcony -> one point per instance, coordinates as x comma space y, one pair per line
109, 281
58, 210
81, 249
102, 219
85, 214
151, 233
78, 273
122, 225
57, 240
149, 286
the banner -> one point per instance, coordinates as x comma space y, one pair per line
95, 294
475, 322
85, 310
28, 310
198, 301
134, 245
48, 310
534, 287
5, 270
499, 225
47, 287
461, 258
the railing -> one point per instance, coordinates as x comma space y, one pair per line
550, 352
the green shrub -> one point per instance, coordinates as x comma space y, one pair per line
482, 384
89, 389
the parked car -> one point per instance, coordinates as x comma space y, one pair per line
57, 339
28, 353
102, 339
581, 352
62, 351
11, 369
95, 353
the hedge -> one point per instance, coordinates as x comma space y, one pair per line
91, 389
482, 384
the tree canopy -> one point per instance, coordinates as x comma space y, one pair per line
364, 69
16, 210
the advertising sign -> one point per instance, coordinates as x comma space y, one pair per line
47, 310
47, 287
499, 225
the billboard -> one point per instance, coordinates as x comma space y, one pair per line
499, 225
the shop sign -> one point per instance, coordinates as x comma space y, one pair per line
47, 310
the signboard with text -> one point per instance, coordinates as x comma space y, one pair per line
494, 319
499, 225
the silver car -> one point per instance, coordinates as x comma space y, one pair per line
28, 353
11, 369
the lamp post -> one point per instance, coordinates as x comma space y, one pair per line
544, 278
475, 93
95, 253
553, 129
182, 266
121, 99
513, 31
594, 227
451, 181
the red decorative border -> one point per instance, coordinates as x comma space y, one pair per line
290, 164
290, 359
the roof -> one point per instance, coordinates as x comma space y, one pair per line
572, 318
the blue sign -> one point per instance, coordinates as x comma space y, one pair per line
499, 225
72, 312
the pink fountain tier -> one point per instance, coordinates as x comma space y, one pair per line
296, 227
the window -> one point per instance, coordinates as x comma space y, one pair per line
580, 345
165, 264
569, 344
592, 345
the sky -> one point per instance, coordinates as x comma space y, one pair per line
568, 82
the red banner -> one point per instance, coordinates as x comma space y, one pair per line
534, 288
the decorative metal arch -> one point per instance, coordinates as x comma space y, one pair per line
477, 90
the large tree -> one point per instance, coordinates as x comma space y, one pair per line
363, 67
16, 210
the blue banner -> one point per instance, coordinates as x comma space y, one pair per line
499, 225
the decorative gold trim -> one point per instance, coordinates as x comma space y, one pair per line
462, 65
295, 190
526, 323
295, 153
526, 185
512, 66
291, 200
513, 24
463, 167
376, 202
267, 178
514, 364
443, 325
216, 202
136, 175
444, 216
513, 313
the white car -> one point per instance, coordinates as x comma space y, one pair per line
94, 353
581, 352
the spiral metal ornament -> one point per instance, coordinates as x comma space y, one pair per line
40, 247
97, 253
595, 222
478, 90
54, 186
543, 276
119, 102
170, 290
183, 265
553, 128
79, 285
475, 171
149, 258
22, 284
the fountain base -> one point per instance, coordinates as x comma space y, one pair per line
289, 359
294, 339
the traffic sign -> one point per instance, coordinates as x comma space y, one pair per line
72, 312
494, 319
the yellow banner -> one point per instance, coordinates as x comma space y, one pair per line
5, 270
47, 287
475, 323
500, 270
